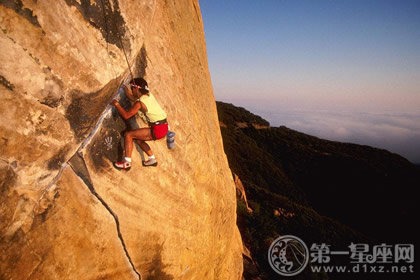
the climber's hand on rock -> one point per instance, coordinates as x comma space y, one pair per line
114, 102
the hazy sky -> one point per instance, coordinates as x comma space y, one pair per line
348, 57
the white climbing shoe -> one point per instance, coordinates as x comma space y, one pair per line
124, 165
150, 162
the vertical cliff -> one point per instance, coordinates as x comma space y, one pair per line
65, 212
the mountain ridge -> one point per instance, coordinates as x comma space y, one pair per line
339, 192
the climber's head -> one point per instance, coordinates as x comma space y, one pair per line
139, 87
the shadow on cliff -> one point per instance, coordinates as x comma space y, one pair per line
85, 108
141, 63
157, 267
104, 16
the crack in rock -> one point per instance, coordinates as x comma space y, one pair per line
77, 163
106, 113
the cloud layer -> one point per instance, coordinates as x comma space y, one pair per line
398, 133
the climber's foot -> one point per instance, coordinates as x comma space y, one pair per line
150, 162
122, 165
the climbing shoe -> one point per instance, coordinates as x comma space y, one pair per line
124, 165
150, 162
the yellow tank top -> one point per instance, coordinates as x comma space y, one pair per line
154, 111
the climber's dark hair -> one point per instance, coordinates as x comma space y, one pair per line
144, 88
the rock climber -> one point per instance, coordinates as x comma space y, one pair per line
145, 104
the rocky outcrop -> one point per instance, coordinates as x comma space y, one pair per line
65, 212
240, 191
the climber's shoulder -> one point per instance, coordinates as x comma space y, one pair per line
140, 106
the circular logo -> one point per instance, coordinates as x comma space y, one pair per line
288, 255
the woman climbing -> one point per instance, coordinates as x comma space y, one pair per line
146, 105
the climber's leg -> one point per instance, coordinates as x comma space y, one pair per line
138, 134
151, 161
141, 134
145, 147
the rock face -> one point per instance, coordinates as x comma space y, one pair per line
65, 212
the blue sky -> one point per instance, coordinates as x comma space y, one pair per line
330, 56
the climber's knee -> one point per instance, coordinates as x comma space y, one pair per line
128, 134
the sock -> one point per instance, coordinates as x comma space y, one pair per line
128, 159
151, 157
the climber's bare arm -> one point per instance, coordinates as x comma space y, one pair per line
126, 114
128, 92
143, 107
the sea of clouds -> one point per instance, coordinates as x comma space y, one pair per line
396, 132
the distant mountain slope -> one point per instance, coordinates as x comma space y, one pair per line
369, 189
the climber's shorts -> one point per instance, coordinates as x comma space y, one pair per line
159, 130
